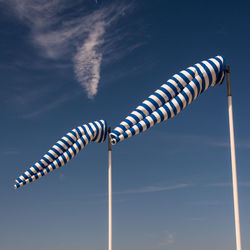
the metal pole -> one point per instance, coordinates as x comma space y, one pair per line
233, 162
110, 191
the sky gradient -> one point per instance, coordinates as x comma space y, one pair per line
66, 63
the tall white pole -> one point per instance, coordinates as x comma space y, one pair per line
233, 162
110, 192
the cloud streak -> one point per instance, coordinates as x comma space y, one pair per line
227, 184
167, 240
71, 30
202, 139
207, 203
87, 61
151, 189
49, 106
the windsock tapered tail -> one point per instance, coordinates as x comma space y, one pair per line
171, 97
64, 150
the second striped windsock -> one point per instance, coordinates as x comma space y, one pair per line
64, 150
171, 97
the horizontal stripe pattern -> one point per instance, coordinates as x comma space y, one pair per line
172, 97
64, 150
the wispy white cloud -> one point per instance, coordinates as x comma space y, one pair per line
151, 189
168, 239
31, 102
219, 184
207, 203
87, 61
83, 35
197, 219
244, 184
228, 184
48, 106
202, 139
220, 142
11, 152
61, 177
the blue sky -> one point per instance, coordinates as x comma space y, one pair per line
65, 63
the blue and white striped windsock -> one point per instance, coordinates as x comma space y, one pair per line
171, 97
64, 150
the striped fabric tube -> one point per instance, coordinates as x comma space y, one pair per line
64, 150
171, 97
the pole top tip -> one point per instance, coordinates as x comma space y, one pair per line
227, 68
